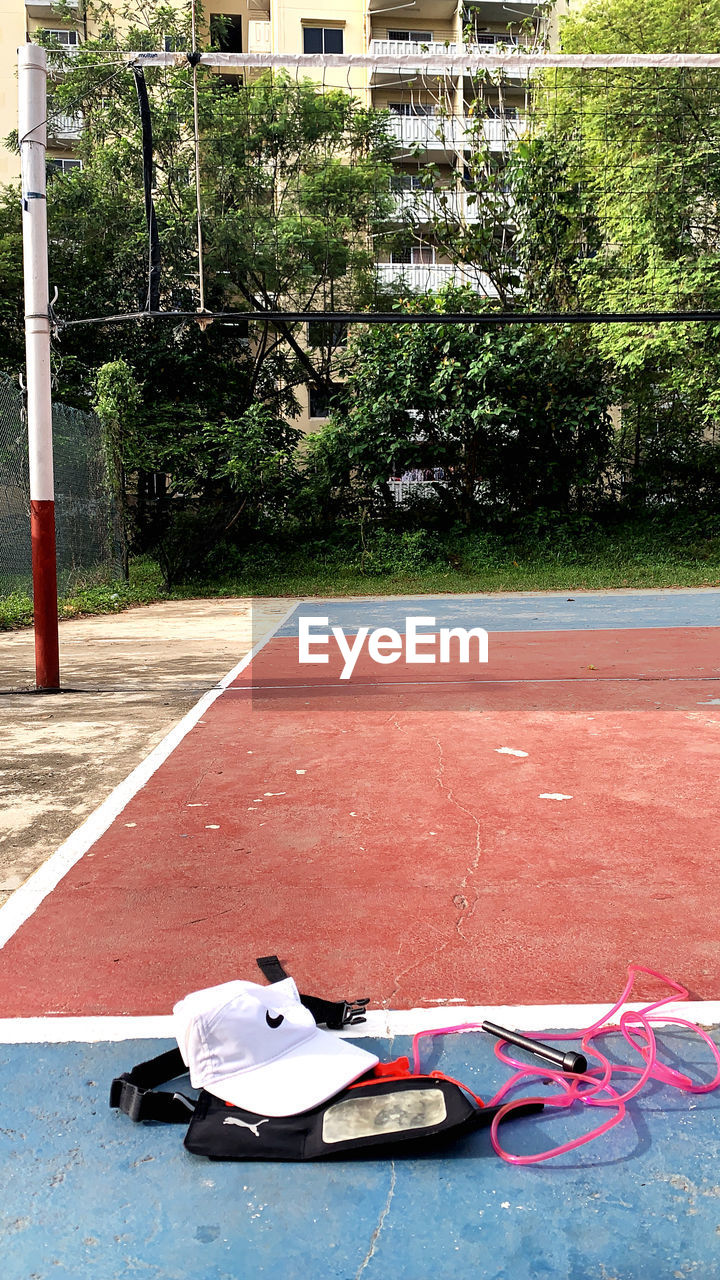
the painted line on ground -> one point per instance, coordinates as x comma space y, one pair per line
379, 1024
25, 900
258, 686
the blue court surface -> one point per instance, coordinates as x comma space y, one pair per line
600, 610
88, 1194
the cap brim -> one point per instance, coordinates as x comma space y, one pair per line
309, 1074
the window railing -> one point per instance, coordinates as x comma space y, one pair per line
424, 205
448, 133
403, 491
388, 48
65, 126
428, 277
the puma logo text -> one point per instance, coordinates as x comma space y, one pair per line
243, 1124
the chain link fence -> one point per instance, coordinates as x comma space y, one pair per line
87, 525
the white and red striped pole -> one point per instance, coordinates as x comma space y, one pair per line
32, 132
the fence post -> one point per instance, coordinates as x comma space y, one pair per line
32, 133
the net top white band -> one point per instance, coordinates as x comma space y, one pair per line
450, 62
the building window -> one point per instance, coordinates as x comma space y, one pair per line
401, 182
497, 112
417, 37
320, 403
67, 39
226, 32
412, 108
63, 166
327, 333
402, 256
423, 255
417, 255
490, 39
322, 40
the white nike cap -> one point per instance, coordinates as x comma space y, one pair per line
259, 1048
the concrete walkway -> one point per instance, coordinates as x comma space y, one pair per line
133, 676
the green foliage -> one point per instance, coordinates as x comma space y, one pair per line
545, 551
117, 403
89, 596
12, 330
617, 210
615, 207
232, 481
291, 182
641, 26
516, 417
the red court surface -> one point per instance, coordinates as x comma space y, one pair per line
382, 842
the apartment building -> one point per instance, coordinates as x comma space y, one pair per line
428, 114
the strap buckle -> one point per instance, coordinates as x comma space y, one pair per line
127, 1097
334, 1014
350, 1012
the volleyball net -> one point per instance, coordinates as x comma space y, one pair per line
248, 188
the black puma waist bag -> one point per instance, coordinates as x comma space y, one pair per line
375, 1117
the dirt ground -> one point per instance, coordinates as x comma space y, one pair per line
127, 679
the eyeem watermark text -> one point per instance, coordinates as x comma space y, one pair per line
421, 643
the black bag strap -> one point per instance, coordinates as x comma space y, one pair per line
134, 1093
334, 1014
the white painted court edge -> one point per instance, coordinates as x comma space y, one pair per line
380, 1023
25, 900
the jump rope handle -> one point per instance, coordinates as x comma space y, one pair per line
569, 1061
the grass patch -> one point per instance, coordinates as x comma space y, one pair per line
518, 576
90, 596
629, 556
581, 557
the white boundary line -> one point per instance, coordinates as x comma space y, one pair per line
25, 900
380, 1024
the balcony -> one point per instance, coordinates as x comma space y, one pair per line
452, 133
429, 133
431, 206
64, 129
428, 277
410, 48
403, 491
494, 42
489, 42
502, 44
502, 131
407, 48
44, 9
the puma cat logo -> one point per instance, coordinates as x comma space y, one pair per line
243, 1124
274, 1022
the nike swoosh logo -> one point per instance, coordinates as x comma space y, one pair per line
274, 1022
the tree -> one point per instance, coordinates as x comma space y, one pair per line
515, 416
617, 201
291, 181
117, 403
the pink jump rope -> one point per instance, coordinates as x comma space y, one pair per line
578, 1083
